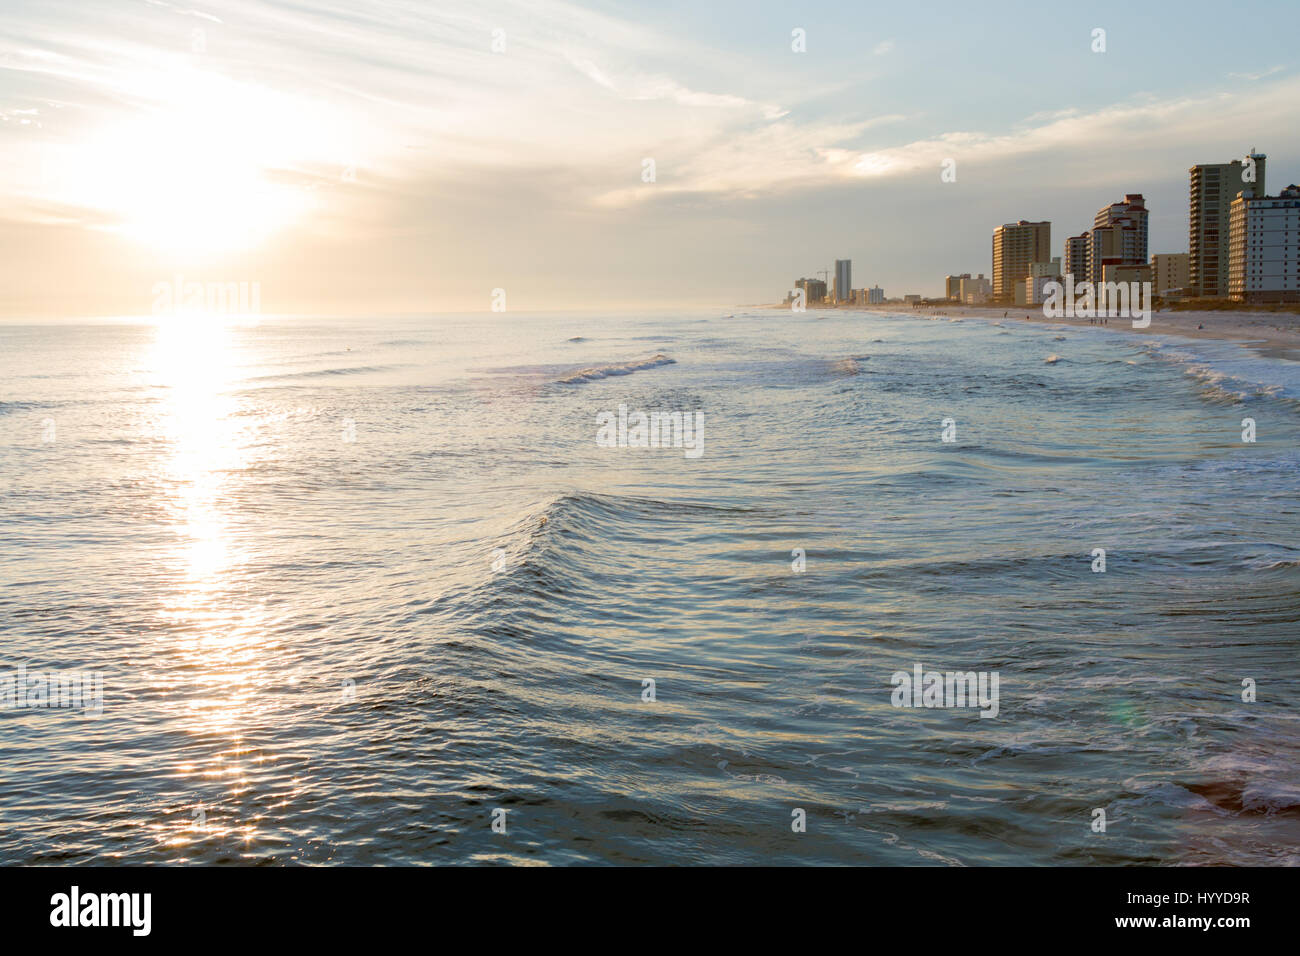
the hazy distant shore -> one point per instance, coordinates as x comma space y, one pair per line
1276, 333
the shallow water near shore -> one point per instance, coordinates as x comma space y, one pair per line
355, 584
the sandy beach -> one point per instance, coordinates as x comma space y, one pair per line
1276, 334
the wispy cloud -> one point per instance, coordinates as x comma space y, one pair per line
650, 87
790, 155
571, 89
183, 11
1256, 76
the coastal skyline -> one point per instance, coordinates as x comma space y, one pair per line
408, 160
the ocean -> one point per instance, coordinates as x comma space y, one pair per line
380, 591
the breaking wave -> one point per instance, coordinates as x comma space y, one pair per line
596, 372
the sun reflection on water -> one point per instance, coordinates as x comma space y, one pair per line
219, 666
195, 359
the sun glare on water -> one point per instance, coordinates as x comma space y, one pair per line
194, 365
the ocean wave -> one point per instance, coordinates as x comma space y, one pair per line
848, 366
1282, 565
597, 518
1255, 794
325, 373
596, 372
555, 562
1214, 384
571, 508
1249, 376
7, 408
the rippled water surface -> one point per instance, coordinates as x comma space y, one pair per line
354, 584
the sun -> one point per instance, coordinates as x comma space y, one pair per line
206, 165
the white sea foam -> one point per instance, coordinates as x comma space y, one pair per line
1230, 372
597, 372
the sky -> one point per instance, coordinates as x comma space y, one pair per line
414, 156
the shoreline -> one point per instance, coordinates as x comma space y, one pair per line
1273, 334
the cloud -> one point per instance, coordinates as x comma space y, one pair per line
789, 155
655, 87
1256, 76
183, 11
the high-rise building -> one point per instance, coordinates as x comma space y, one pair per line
814, 290
1117, 243
1076, 258
1170, 272
875, 295
1213, 188
1034, 289
952, 287
1015, 246
1119, 231
843, 280
1131, 210
1264, 247
974, 291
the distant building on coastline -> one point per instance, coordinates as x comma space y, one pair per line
1015, 246
1119, 231
843, 280
975, 291
1035, 284
1170, 271
875, 295
1077, 257
1264, 247
966, 290
1118, 241
1213, 188
840, 281
1116, 269
814, 290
